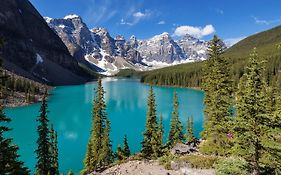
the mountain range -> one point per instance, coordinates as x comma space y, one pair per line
98, 50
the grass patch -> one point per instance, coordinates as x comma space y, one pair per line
166, 160
200, 161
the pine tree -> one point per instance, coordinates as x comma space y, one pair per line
126, 149
176, 130
99, 152
43, 164
150, 144
250, 127
161, 131
189, 129
54, 152
89, 157
217, 87
119, 153
106, 152
271, 157
92, 156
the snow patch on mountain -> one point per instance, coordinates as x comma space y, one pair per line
48, 19
71, 16
39, 59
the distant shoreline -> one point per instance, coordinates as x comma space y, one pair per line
175, 86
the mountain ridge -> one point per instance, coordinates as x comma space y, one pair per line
110, 54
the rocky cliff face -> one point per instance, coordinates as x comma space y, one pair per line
99, 48
160, 48
32, 49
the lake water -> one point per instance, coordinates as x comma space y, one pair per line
70, 112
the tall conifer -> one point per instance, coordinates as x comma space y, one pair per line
176, 129
99, 151
161, 130
217, 87
189, 129
106, 152
250, 127
126, 148
54, 151
150, 144
43, 164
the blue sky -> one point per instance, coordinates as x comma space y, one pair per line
229, 19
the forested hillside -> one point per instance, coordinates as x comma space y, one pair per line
189, 75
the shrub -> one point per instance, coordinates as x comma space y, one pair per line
200, 161
166, 160
233, 166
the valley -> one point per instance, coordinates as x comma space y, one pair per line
140, 87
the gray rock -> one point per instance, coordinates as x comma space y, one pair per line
182, 149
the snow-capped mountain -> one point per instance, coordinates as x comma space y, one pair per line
96, 48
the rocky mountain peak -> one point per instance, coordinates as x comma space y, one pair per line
119, 38
100, 31
98, 47
164, 36
72, 16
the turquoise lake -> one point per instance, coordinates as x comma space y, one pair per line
70, 112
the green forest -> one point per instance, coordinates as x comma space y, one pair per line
190, 75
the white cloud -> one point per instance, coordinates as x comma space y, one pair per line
139, 15
231, 41
266, 22
197, 32
161, 22
136, 17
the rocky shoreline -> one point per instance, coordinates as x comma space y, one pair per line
18, 99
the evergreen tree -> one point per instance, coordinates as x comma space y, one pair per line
54, 152
99, 152
176, 130
122, 153
150, 144
250, 127
161, 131
189, 129
217, 87
43, 165
119, 153
106, 152
89, 157
271, 157
126, 149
